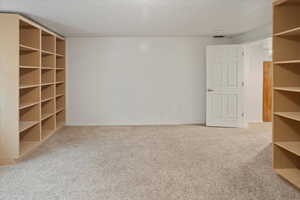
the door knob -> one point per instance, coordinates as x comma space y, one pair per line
210, 90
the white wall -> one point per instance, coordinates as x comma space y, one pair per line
257, 34
255, 54
137, 80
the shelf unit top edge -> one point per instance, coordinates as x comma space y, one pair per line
282, 2
34, 23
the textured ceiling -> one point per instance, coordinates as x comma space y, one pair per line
145, 17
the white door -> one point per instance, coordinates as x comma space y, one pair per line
225, 84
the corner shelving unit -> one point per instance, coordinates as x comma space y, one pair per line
286, 58
33, 75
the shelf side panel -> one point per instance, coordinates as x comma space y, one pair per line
9, 77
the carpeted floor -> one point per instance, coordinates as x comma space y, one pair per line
149, 163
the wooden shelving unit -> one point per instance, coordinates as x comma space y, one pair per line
34, 81
286, 122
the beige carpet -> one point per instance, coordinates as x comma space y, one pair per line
149, 163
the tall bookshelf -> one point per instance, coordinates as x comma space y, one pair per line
286, 58
32, 77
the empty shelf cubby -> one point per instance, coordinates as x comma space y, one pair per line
60, 62
60, 103
48, 60
30, 138
60, 88
286, 16
60, 46
288, 49
60, 75
29, 35
29, 96
60, 119
30, 114
29, 77
48, 42
47, 109
48, 126
47, 92
48, 76
29, 57
287, 75
286, 101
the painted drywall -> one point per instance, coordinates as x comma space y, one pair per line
257, 34
137, 80
255, 54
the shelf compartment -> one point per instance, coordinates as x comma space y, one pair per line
48, 60
60, 88
29, 35
286, 16
292, 147
286, 127
289, 115
48, 109
23, 126
287, 165
47, 92
29, 96
287, 76
48, 76
48, 126
60, 119
29, 58
287, 50
60, 62
286, 101
29, 77
60, 75
60, 46
30, 138
30, 114
60, 103
48, 42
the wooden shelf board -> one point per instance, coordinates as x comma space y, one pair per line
288, 89
47, 99
287, 62
45, 84
60, 95
26, 105
293, 147
24, 125
26, 147
29, 86
47, 68
47, 115
292, 175
291, 32
59, 82
289, 115
60, 110
60, 55
47, 52
60, 68
29, 67
27, 48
